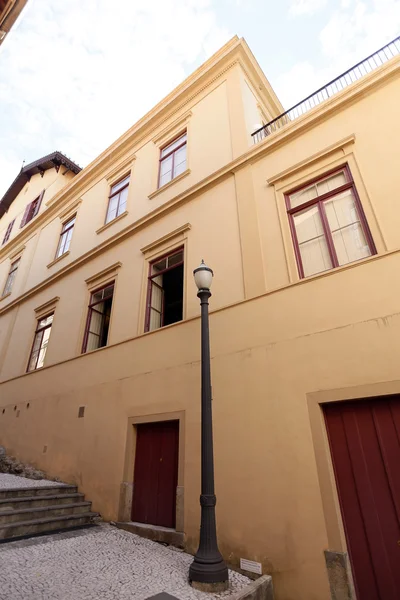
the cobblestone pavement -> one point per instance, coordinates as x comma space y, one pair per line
8, 482
100, 563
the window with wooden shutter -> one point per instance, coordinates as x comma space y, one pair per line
32, 210
25, 216
8, 232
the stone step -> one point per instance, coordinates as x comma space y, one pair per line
46, 525
30, 514
46, 490
36, 501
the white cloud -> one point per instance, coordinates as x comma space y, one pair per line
353, 31
305, 7
76, 75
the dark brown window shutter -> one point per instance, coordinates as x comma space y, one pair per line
26, 214
39, 202
8, 232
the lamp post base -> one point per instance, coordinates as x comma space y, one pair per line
209, 574
211, 588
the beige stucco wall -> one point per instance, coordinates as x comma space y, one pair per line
277, 342
269, 500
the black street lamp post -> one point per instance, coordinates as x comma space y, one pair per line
208, 570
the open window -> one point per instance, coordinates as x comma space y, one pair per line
40, 343
10, 277
98, 319
165, 291
32, 210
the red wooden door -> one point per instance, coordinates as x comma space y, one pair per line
364, 437
156, 473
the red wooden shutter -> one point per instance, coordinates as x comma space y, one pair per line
37, 207
8, 232
26, 214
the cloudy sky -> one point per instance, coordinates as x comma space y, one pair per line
75, 75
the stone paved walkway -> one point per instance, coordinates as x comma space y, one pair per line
8, 482
100, 563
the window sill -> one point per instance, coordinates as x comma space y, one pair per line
5, 296
107, 225
56, 260
168, 185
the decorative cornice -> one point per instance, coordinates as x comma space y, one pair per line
107, 272
170, 129
165, 238
126, 165
314, 158
17, 252
69, 210
47, 306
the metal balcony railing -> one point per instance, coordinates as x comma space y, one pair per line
359, 70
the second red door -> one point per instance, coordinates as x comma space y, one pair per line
156, 473
365, 443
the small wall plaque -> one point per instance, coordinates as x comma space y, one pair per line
251, 565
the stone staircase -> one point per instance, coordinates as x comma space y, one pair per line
25, 512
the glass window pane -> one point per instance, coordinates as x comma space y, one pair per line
102, 294
331, 183
341, 210
35, 350
112, 209
108, 291
93, 342
313, 248
43, 347
68, 224
317, 189
155, 320
161, 265
67, 240
157, 294
173, 145
61, 245
175, 259
122, 201
45, 321
96, 319
119, 185
303, 195
308, 224
180, 161
165, 171
347, 233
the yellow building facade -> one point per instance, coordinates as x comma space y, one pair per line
99, 319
